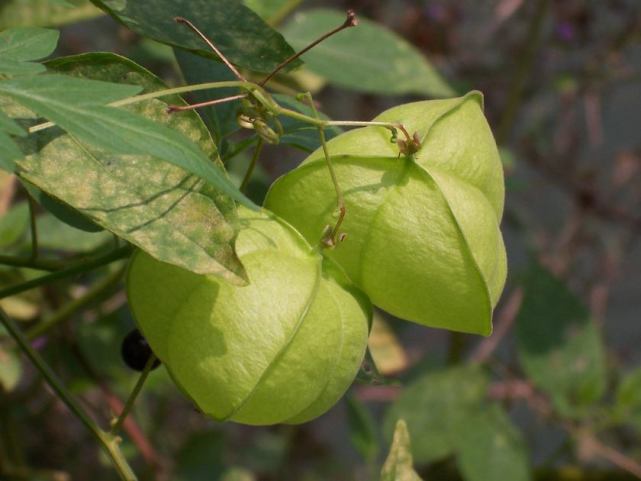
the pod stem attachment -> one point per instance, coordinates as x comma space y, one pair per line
331, 236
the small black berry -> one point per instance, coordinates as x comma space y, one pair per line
135, 351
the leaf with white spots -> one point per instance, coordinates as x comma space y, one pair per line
78, 106
165, 210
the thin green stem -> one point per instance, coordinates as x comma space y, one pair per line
318, 122
118, 422
455, 348
65, 312
240, 147
107, 441
257, 93
39, 264
33, 227
80, 267
522, 73
330, 239
252, 164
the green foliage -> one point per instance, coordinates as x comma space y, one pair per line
256, 320
139, 198
243, 37
490, 447
60, 210
398, 465
78, 106
628, 399
48, 13
18, 48
368, 58
62, 237
426, 223
10, 151
201, 457
14, 224
437, 407
220, 119
21, 45
447, 415
272, 11
559, 346
362, 429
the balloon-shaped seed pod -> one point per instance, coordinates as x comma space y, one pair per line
282, 349
423, 239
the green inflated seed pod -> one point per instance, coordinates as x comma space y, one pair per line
423, 239
282, 349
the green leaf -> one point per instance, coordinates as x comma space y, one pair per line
56, 235
240, 34
9, 126
13, 224
9, 153
491, 448
559, 345
628, 399
50, 93
362, 429
75, 105
399, 463
272, 11
436, 407
221, 119
60, 210
153, 204
20, 45
367, 58
45, 12
201, 457
27, 43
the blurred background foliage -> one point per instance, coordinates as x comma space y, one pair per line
553, 394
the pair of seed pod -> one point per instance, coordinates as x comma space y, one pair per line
423, 244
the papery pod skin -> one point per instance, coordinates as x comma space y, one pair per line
282, 349
423, 238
